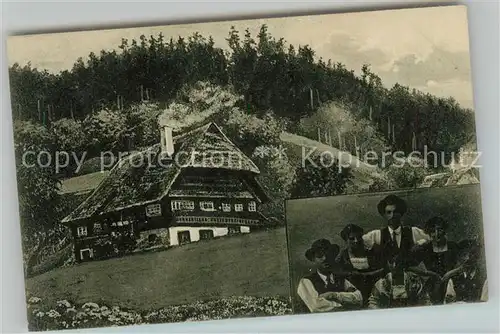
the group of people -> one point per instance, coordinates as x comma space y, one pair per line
394, 266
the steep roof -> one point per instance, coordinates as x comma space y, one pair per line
143, 177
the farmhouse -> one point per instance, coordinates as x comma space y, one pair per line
194, 185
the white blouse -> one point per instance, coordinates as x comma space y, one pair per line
359, 263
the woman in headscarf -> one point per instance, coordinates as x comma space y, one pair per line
361, 266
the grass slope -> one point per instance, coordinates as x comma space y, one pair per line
299, 147
324, 217
252, 264
82, 183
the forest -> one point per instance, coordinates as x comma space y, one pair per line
256, 91
268, 73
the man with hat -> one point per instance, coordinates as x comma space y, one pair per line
394, 239
361, 266
324, 290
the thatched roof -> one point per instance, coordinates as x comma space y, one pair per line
143, 177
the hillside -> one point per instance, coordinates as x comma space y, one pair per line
82, 184
252, 264
363, 174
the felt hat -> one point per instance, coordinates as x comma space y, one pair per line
320, 248
392, 200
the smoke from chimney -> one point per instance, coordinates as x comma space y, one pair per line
167, 141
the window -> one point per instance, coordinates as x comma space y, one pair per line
238, 207
207, 206
152, 238
252, 206
183, 237
153, 210
97, 228
233, 230
81, 231
226, 207
179, 205
206, 234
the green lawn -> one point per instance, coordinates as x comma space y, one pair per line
324, 217
252, 264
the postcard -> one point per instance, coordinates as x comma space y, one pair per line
249, 168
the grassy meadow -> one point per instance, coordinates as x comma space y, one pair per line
254, 264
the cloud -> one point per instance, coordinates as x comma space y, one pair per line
440, 65
352, 52
461, 90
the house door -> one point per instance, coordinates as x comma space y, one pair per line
184, 237
85, 254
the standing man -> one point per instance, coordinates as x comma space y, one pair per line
394, 240
323, 290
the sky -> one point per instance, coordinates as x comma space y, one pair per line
423, 48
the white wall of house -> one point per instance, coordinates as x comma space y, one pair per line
194, 232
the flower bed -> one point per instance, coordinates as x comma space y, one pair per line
65, 315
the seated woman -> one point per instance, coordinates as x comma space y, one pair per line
361, 266
323, 290
399, 288
435, 259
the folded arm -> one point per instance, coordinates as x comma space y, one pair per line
311, 298
351, 296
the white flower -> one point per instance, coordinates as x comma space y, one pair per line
90, 306
40, 314
64, 303
80, 315
113, 318
53, 314
34, 300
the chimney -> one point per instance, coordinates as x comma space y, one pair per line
167, 142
